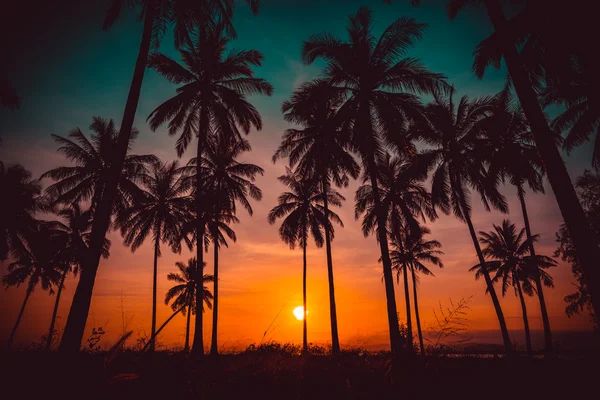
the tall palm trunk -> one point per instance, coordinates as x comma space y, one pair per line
584, 239
490, 286
14, 330
525, 320
154, 289
75, 326
214, 349
304, 328
186, 347
409, 335
159, 330
335, 342
55, 311
538, 280
414, 281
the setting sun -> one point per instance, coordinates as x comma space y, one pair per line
299, 313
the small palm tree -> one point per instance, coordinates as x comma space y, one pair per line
303, 210
380, 92
409, 253
507, 251
184, 292
454, 132
212, 100
160, 209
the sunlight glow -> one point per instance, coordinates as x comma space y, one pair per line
299, 313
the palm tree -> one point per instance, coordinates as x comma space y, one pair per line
454, 132
75, 236
184, 292
513, 157
320, 150
303, 210
584, 240
19, 202
507, 251
38, 262
375, 83
409, 252
157, 16
213, 100
159, 210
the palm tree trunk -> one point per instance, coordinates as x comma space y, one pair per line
149, 344
525, 320
414, 281
335, 342
304, 328
214, 350
490, 286
75, 326
186, 347
409, 335
55, 311
14, 330
538, 280
584, 239
154, 289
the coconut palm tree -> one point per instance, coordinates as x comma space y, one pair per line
19, 202
159, 210
75, 235
319, 149
39, 261
184, 292
409, 253
453, 131
514, 158
303, 211
507, 250
584, 239
380, 90
157, 15
211, 100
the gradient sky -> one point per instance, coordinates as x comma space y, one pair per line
68, 70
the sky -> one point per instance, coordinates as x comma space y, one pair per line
68, 70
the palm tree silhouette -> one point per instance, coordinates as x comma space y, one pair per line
584, 239
507, 251
303, 210
39, 261
375, 83
19, 202
409, 252
319, 150
213, 100
184, 292
75, 236
157, 15
453, 132
160, 211
513, 157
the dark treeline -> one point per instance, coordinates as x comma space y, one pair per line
363, 118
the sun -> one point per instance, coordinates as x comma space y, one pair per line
299, 313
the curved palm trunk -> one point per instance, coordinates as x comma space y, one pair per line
490, 286
214, 350
14, 330
538, 280
154, 283
584, 239
304, 329
525, 320
414, 281
55, 311
75, 326
149, 344
409, 335
186, 347
335, 342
